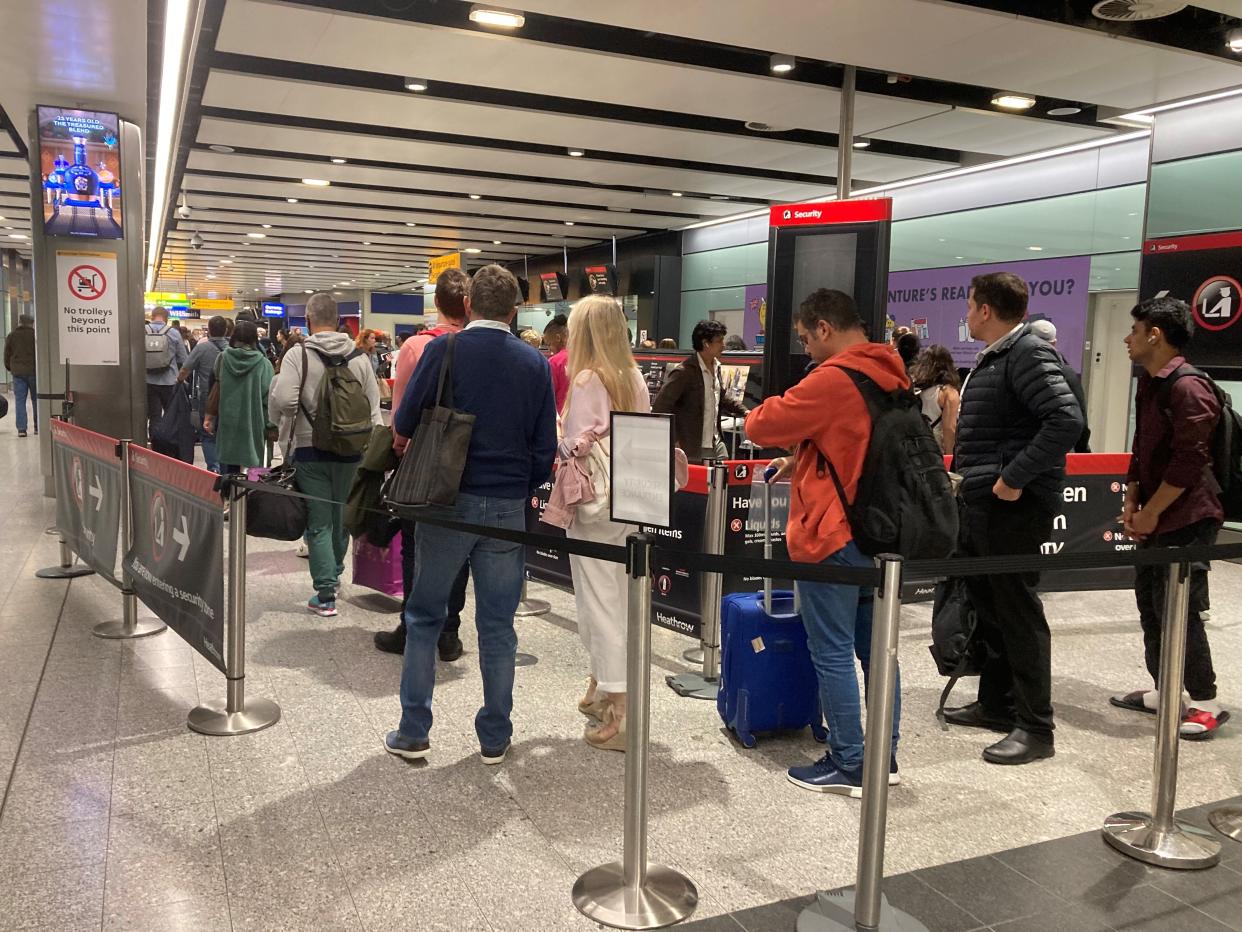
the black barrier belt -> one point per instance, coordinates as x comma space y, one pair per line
583, 548
922, 570
773, 569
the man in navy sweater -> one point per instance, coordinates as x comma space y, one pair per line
507, 386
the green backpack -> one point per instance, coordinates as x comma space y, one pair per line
342, 421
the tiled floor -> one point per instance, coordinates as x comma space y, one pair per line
115, 816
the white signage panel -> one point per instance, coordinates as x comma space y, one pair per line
87, 308
641, 469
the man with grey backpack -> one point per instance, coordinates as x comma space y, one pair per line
328, 389
166, 354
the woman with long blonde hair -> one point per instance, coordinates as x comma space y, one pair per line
602, 378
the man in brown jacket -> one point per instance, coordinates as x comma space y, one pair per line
19, 359
693, 394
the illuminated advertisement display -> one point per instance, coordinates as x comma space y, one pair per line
80, 167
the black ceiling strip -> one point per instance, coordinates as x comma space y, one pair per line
414, 240
7, 124
580, 34
503, 145
475, 173
329, 247
593, 109
1192, 29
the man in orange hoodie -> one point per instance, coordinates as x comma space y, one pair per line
825, 413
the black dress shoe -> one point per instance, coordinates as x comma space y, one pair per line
976, 716
449, 646
1019, 747
391, 642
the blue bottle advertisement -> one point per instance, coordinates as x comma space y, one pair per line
81, 197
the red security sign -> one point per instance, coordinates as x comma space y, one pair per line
1216, 302
87, 283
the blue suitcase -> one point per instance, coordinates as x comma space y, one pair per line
767, 681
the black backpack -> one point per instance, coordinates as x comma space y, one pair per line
954, 647
1226, 439
904, 502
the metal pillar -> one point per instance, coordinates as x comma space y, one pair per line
865, 907
235, 716
1158, 838
845, 135
130, 625
631, 894
705, 684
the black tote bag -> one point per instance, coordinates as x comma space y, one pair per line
430, 472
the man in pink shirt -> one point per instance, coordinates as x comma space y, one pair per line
556, 338
451, 288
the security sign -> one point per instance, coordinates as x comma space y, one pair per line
88, 494
177, 558
1205, 271
88, 329
1216, 303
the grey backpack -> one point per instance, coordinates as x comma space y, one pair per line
159, 349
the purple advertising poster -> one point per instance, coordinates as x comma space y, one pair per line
756, 315
932, 303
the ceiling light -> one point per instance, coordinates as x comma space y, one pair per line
677, 194
17, 236
209, 275
267, 226
959, 257
410, 223
172, 61
1035, 248
1233, 40
1064, 111
317, 182
307, 291
344, 283
569, 223
782, 64
1010, 101
417, 85
366, 242
338, 161
257, 235
472, 249
576, 153
475, 197
862, 143
226, 261
496, 16
496, 242
221, 148
292, 200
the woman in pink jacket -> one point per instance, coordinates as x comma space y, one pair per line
602, 378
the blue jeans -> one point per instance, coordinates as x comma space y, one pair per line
23, 386
497, 567
209, 450
838, 629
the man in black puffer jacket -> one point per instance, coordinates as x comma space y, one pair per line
1018, 420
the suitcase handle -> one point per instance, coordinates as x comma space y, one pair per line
768, 473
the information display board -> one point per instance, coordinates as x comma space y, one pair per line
81, 197
88, 308
88, 495
641, 469
177, 557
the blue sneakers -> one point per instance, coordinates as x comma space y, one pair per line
824, 776
395, 743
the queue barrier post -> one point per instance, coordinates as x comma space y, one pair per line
865, 907
1158, 838
235, 715
67, 568
632, 894
130, 625
705, 684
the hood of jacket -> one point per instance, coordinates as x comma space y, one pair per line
877, 361
239, 362
220, 343
332, 343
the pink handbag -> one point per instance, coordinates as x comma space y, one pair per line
379, 568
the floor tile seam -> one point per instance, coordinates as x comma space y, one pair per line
336, 854
992, 857
224, 867
103, 906
946, 897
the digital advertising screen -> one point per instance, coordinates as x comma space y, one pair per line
552, 290
80, 168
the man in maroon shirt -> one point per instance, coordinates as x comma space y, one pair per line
1172, 498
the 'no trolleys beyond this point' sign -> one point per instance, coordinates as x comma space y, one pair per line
86, 294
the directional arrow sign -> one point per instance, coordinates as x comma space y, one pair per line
96, 492
181, 536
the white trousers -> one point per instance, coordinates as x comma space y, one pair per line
601, 594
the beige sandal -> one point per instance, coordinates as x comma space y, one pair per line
593, 703
609, 735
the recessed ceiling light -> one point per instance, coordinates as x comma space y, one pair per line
226, 261
292, 200
1233, 40
267, 226
472, 249
959, 257
677, 194
496, 242
1035, 248
232, 255
475, 197
17, 236
338, 161
719, 197
1011, 101
409, 223
1064, 111
219, 147
576, 153
417, 85
307, 291
862, 143
345, 283
209, 275
782, 64
317, 182
569, 223
1117, 269
366, 242
257, 235
496, 16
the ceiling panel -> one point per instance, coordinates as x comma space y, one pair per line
1002, 134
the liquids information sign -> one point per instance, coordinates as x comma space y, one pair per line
177, 557
87, 308
88, 494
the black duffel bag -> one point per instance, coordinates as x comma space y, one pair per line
271, 514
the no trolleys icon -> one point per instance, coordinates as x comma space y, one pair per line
87, 283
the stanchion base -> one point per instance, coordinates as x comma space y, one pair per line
527, 608
693, 685
1228, 821
525, 660
143, 627
833, 911
64, 572
694, 655
210, 718
666, 898
1186, 847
